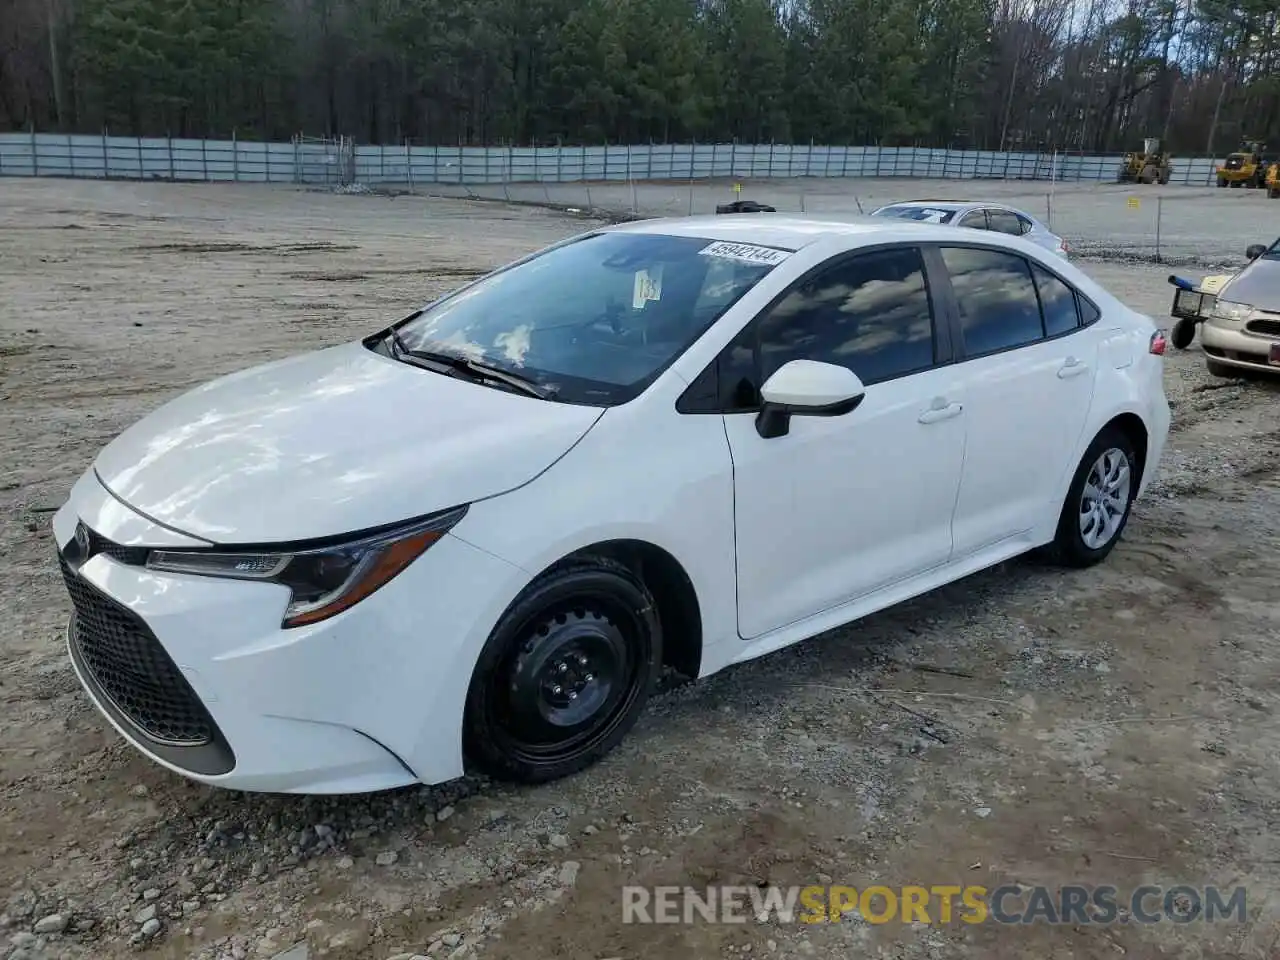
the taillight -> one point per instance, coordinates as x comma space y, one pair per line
1158, 343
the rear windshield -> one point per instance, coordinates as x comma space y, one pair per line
598, 319
905, 211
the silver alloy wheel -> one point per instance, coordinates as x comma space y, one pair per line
1104, 499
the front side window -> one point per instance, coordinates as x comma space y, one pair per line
871, 313
596, 320
998, 305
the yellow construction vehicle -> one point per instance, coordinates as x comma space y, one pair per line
1244, 168
1150, 166
1273, 181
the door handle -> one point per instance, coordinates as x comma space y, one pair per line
1072, 368
936, 414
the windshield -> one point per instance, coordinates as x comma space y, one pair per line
914, 212
595, 320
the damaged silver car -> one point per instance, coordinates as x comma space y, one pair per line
1239, 315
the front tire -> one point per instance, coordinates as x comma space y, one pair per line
1098, 501
565, 674
1184, 331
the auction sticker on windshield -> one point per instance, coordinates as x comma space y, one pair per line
746, 252
648, 287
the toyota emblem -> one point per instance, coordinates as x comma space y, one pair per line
82, 539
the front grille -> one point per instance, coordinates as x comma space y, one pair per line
133, 670
134, 556
1269, 328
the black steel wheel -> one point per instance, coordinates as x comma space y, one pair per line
565, 673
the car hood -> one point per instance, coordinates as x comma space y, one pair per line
1257, 285
328, 443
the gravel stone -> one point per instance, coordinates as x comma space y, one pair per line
53, 923
146, 914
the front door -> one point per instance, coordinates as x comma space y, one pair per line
840, 506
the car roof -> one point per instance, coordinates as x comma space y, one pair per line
936, 204
784, 231
959, 204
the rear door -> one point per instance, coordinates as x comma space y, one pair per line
1027, 371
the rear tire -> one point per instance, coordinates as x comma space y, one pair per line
565, 674
1098, 502
1221, 182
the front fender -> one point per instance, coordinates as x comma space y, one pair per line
641, 474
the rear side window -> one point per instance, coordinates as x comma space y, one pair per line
871, 313
1057, 302
976, 220
1002, 221
999, 308
1088, 312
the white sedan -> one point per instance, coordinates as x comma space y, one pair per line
472, 540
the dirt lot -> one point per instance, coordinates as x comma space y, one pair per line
1025, 726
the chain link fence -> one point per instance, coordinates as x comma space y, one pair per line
1184, 222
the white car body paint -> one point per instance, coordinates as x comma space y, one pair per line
932, 477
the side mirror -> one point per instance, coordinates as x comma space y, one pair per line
806, 388
1255, 251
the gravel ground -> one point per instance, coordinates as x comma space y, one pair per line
1026, 725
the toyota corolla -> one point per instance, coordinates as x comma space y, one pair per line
472, 540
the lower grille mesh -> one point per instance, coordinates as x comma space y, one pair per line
133, 669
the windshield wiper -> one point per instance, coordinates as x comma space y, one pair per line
473, 368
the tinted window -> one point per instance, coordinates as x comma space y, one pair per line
1024, 225
1057, 302
1002, 221
871, 314
997, 300
976, 220
597, 319
1088, 312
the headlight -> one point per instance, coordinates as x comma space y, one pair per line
324, 580
1226, 310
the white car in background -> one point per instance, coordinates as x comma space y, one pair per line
978, 215
472, 540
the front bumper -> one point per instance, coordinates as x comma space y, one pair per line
197, 674
1245, 345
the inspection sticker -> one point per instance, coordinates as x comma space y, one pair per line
746, 252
